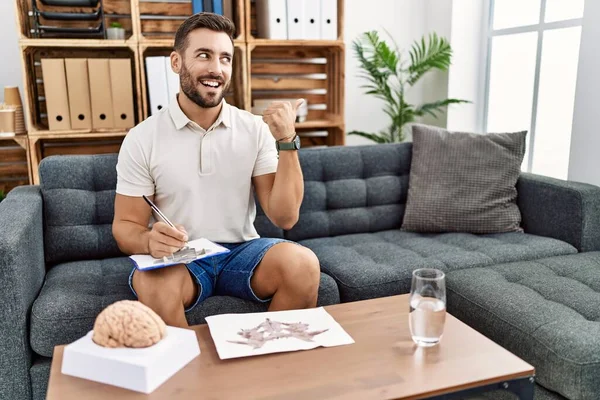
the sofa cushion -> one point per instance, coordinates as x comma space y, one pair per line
79, 199
347, 190
74, 293
464, 182
380, 264
545, 311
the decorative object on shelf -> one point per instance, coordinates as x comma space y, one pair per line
12, 97
261, 105
128, 323
7, 118
115, 31
390, 74
63, 27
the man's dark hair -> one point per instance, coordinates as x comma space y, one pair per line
214, 22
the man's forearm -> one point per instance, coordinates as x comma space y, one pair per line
131, 238
288, 190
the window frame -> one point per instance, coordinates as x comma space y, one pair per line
540, 28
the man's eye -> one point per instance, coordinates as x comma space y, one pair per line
202, 55
227, 59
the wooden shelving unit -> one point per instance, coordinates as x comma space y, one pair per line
311, 69
263, 69
14, 161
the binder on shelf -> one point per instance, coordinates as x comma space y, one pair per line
55, 89
312, 19
78, 89
100, 93
197, 6
329, 19
158, 91
121, 86
172, 80
217, 6
295, 19
271, 19
208, 6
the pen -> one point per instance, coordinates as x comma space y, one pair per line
163, 216
156, 210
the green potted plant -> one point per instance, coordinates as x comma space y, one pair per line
390, 74
2, 195
115, 31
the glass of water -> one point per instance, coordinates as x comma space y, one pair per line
427, 306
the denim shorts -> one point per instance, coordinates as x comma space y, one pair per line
228, 274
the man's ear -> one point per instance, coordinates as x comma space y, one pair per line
175, 62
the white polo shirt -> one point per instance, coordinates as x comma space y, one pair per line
200, 178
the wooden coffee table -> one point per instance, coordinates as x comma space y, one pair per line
384, 363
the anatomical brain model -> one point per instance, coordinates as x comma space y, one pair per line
128, 323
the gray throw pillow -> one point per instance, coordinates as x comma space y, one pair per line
464, 182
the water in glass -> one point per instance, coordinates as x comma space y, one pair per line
427, 315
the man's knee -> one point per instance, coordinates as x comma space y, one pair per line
301, 269
165, 283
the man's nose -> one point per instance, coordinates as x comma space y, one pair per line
215, 66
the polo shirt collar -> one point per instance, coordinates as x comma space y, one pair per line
180, 119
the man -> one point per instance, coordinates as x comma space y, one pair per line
198, 160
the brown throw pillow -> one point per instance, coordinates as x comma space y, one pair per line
464, 182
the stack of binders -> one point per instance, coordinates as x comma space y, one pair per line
65, 18
93, 93
162, 82
297, 19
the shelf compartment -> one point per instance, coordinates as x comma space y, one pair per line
160, 20
70, 143
14, 161
311, 73
321, 136
114, 11
252, 26
35, 91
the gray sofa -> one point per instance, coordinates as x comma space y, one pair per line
536, 293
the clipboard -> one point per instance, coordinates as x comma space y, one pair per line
195, 250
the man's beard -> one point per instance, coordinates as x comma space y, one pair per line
189, 87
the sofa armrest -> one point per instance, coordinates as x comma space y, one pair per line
22, 271
564, 210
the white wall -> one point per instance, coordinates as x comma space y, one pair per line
467, 73
405, 21
10, 64
584, 160
434, 85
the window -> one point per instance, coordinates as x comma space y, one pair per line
533, 51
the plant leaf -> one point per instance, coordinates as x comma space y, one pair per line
371, 136
436, 106
436, 53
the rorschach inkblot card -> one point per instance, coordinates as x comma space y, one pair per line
243, 335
